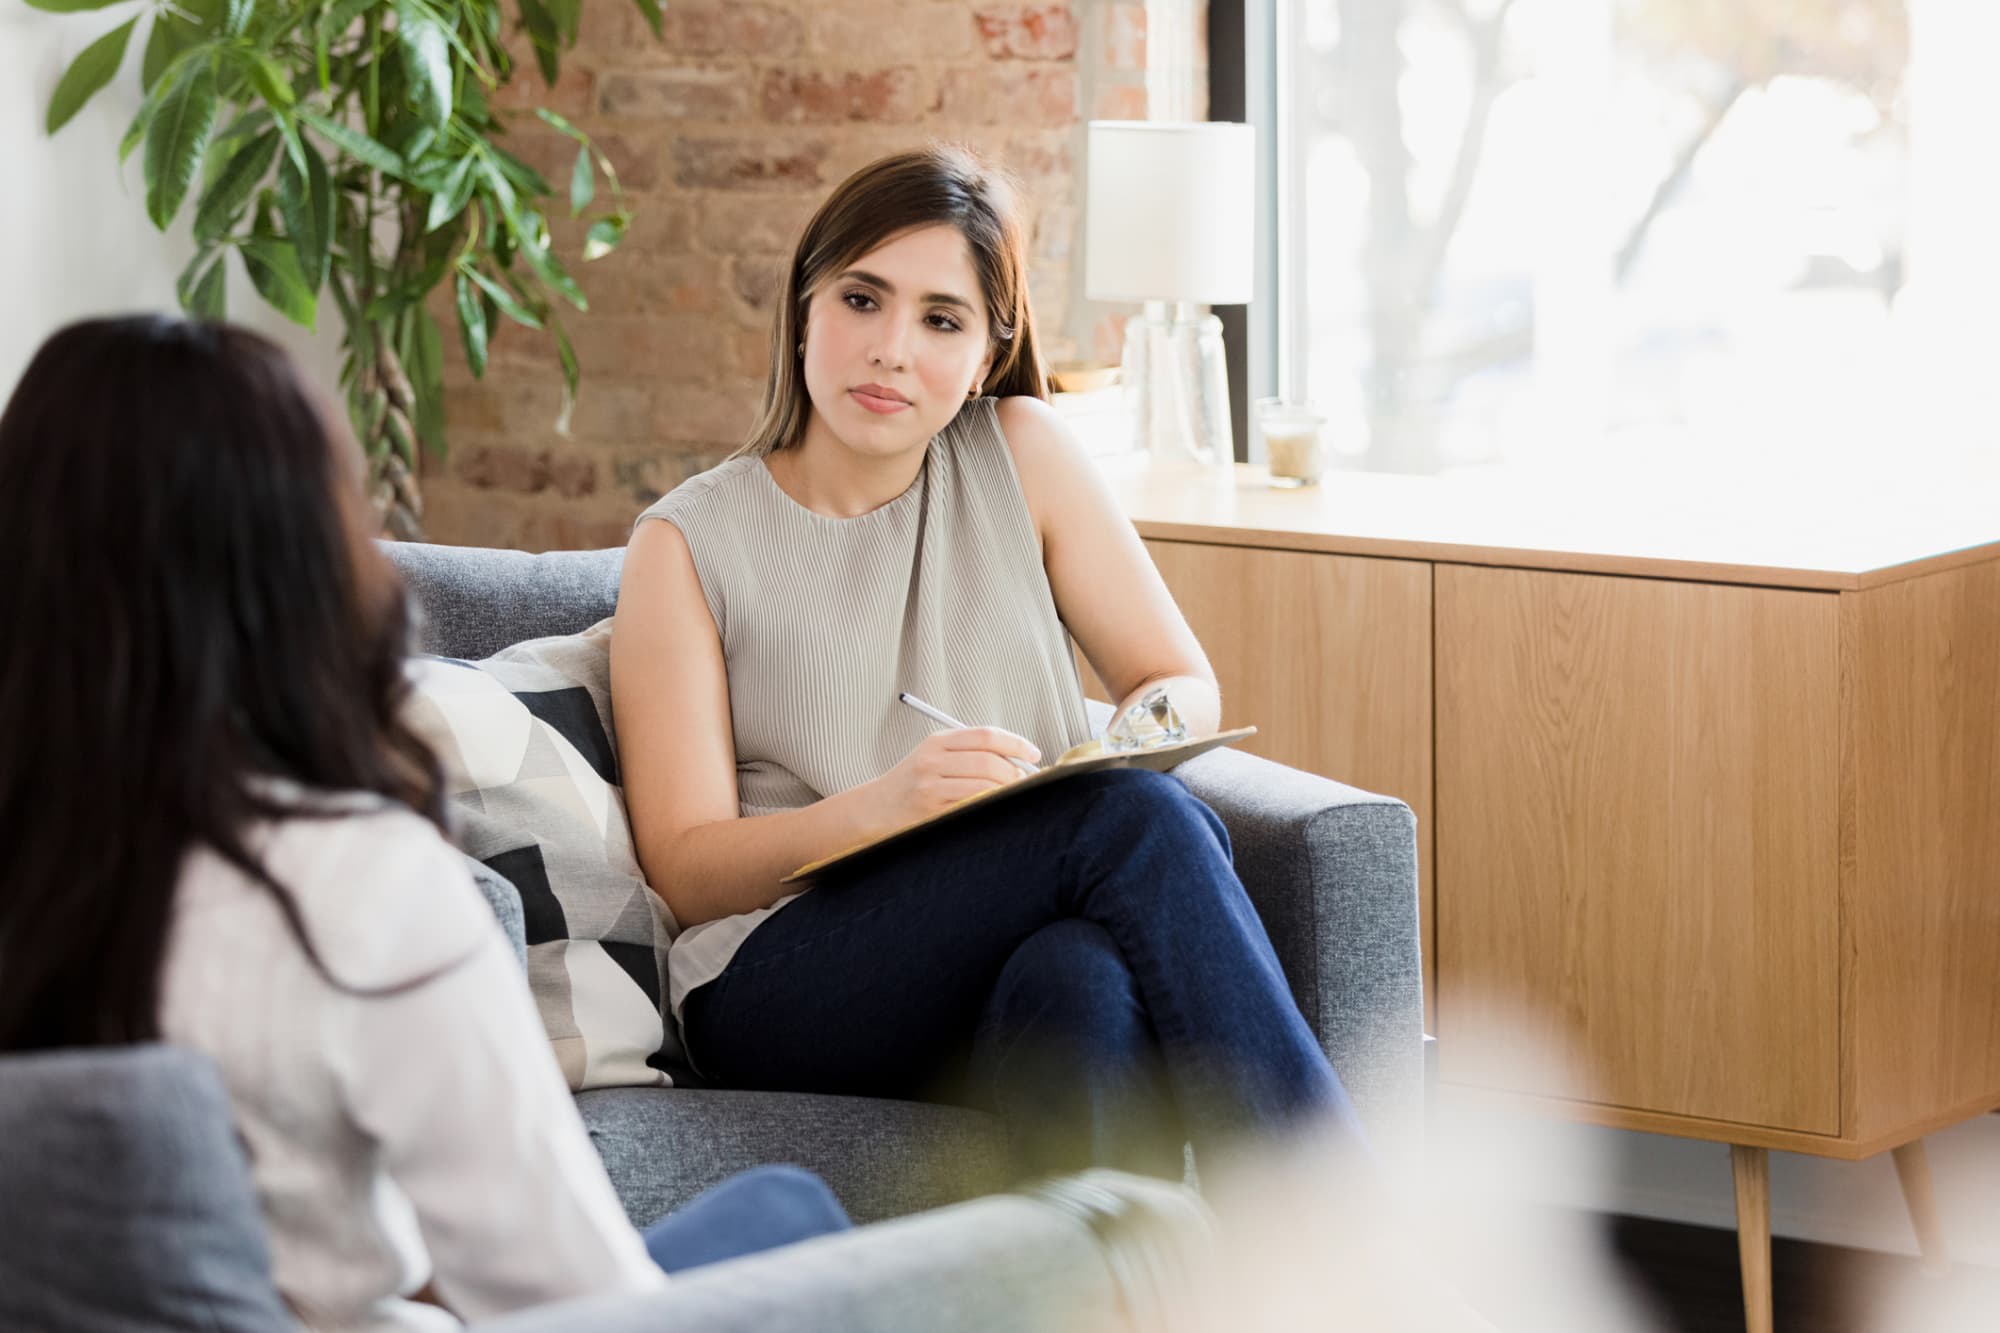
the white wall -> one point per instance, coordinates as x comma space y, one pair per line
74, 237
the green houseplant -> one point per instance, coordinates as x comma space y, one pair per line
348, 147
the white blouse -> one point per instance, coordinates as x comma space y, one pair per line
423, 1137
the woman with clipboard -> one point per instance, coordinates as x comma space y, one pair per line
910, 516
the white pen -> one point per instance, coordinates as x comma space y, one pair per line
943, 718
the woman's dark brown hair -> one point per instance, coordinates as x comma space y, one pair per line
190, 607
936, 186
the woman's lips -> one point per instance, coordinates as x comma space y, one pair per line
877, 403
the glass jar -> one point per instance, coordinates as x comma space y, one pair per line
1294, 435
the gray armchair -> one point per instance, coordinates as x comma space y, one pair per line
1332, 871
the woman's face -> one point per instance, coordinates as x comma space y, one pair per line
895, 342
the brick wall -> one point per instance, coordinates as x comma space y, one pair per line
725, 136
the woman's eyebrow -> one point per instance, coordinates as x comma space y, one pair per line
888, 288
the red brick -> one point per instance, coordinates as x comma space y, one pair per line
822, 97
716, 415
712, 29
1125, 37
1055, 232
759, 224
1010, 95
647, 474
1028, 32
924, 31
750, 352
675, 94
1116, 102
757, 280
632, 281
1042, 160
754, 163
525, 470
524, 90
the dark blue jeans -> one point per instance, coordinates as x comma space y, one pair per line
754, 1210
1080, 959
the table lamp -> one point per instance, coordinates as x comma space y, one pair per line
1170, 216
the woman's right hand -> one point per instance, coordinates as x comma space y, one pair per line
944, 769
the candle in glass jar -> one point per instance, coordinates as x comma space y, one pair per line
1294, 441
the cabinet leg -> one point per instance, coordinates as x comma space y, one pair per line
1752, 1169
1913, 1168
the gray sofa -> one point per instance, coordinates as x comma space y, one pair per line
1332, 871
126, 1207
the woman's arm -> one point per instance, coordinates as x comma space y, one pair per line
1106, 588
670, 696
454, 1081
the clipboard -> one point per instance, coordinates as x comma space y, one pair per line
1090, 757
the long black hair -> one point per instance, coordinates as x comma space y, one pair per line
190, 607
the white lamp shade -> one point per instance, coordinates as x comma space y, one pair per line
1171, 211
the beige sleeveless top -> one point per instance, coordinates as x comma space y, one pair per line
940, 592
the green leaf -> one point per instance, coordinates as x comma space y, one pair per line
651, 10
237, 19
305, 199
472, 324
295, 145
567, 355
426, 59
561, 125
520, 173
582, 184
542, 33
175, 142
568, 15
175, 29
503, 298
87, 73
69, 6
423, 361
223, 202
274, 270
605, 235
203, 297
450, 201
355, 144
270, 81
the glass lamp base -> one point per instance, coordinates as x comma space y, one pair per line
1177, 386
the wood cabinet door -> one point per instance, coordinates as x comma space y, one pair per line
1329, 656
1638, 860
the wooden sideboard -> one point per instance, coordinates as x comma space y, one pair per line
1707, 783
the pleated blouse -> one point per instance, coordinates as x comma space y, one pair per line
940, 592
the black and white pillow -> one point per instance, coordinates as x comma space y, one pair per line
531, 765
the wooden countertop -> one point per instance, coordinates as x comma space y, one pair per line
1796, 532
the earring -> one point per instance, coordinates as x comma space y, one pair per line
972, 393
802, 350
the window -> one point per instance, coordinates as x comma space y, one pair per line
1634, 235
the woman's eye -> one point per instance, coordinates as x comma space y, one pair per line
945, 322
858, 300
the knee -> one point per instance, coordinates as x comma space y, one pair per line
793, 1197
1072, 972
1140, 802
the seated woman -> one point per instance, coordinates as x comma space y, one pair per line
910, 515
220, 834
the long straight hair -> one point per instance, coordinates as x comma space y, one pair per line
938, 185
191, 607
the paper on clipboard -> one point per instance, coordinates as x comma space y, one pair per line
1086, 758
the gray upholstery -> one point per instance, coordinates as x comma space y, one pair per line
1331, 869
505, 900
1100, 1252
882, 1158
476, 602
125, 1200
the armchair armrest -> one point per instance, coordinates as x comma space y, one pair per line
1332, 871
1098, 1251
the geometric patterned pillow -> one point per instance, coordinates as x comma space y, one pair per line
531, 768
